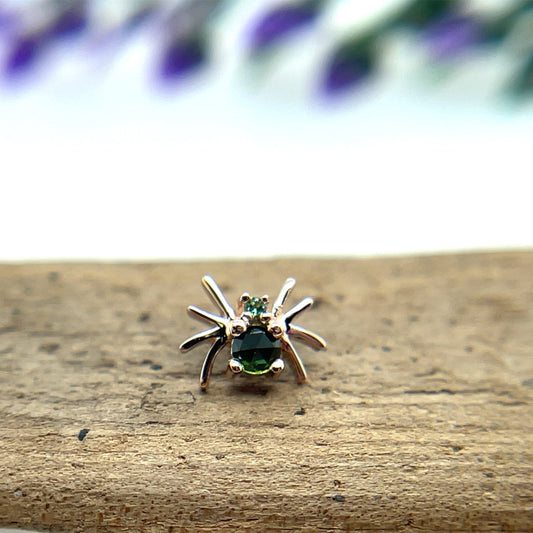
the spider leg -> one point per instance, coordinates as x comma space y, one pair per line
218, 296
200, 314
191, 342
209, 360
306, 303
306, 336
293, 359
283, 294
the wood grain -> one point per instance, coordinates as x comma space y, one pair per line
418, 416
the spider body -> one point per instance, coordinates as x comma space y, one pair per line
256, 350
260, 340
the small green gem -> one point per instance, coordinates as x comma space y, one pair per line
255, 306
256, 349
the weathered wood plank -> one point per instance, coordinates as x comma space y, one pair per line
418, 416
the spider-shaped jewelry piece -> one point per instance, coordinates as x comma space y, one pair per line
259, 339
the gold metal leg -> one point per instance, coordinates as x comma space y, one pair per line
191, 342
308, 337
206, 316
306, 303
283, 295
217, 296
205, 374
294, 359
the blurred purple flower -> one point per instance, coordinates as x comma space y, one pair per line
181, 57
185, 46
138, 17
69, 21
452, 35
282, 21
25, 48
22, 55
349, 66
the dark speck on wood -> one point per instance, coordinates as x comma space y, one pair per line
82, 434
528, 383
49, 347
144, 317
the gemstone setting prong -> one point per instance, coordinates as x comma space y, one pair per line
234, 366
277, 366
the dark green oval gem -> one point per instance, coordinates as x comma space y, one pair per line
256, 350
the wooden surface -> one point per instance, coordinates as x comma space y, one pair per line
418, 416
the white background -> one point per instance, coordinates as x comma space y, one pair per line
98, 162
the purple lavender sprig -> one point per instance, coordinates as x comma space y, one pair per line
68, 19
354, 60
278, 23
185, 44
350, 65
452, 35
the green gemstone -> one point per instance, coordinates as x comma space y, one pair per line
256, 350
255, 306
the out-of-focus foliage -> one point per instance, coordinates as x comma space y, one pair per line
184, 40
